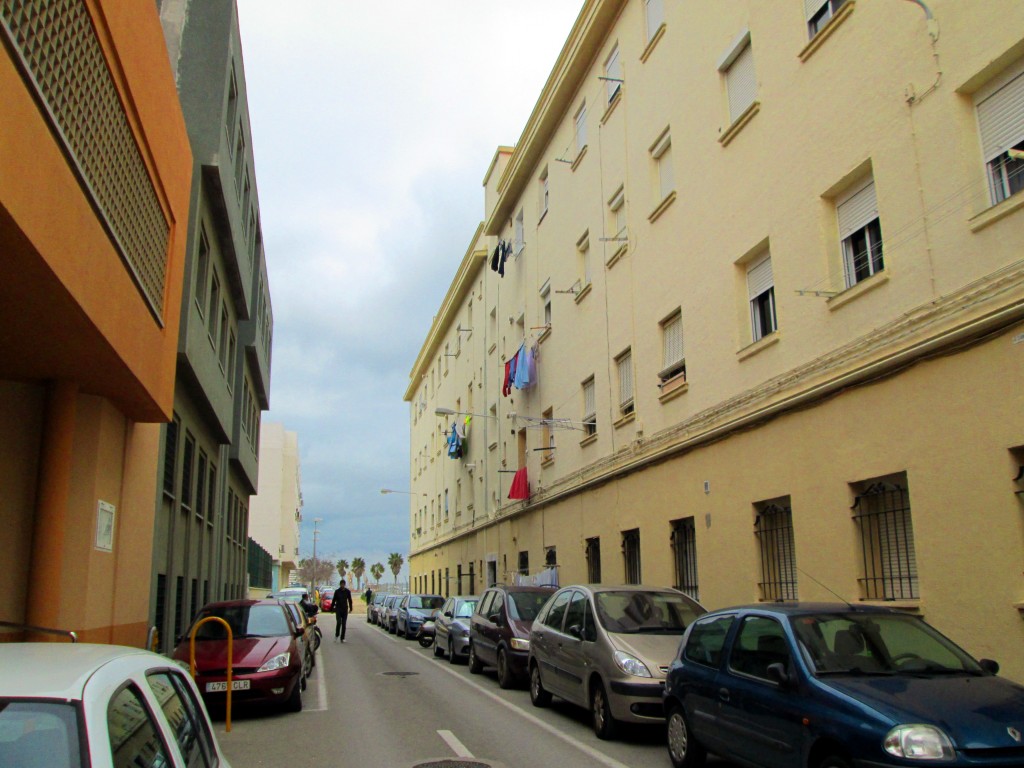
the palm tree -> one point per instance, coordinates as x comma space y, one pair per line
377, 570
358, 568
395, 562
342, 568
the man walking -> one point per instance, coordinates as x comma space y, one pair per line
342, 604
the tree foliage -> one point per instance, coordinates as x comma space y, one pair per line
342, 568
377, 570
395, 562
358, 569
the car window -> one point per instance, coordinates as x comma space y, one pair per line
182, 713
485, 604
496, 604
526, 605
574, 614
556, 612
134, 738
246, 621
589, 623
631, 611
760, 642
704, 645
39, 734
465, 609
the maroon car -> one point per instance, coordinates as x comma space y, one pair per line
267, 658
499, 631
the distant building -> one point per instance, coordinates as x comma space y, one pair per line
276, 511
766, 258
95, 169
209, 458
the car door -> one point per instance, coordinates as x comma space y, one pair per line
703, 655
761, 718
442, 622
575, 648
545, 638
485, 636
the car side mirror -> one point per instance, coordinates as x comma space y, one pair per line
576, 631
777, 672
990, 666
494, 617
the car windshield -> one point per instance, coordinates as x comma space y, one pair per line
632, 612
465, 609
425, 602
878, 644
29, 729
245, 621
526, 605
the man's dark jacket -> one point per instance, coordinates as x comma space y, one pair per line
342, 600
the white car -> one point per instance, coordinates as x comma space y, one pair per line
72, 704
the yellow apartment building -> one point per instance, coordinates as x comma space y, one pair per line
764, 266
95, 172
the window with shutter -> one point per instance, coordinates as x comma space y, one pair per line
819, 13
581, 128
860, 234
761, 293
673, 359
589, 408
655, 13
613, 74
1001, 126
661, 153
773, 527
741, 82
624, 363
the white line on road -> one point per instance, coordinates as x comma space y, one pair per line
598, 756
321, 686
456, 746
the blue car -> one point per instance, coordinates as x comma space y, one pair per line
836, 686
413, 610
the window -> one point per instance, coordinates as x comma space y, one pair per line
761, 292
617, 214
211, 499
547, 437
583, 260
773, 527
655, 14
819, 13
760, 643
544, 191
593, 553
631, 555
684, 552
661, 154
222, 343
212, 316
624, 364
171, 455
186, 471
518, 235
202, 270
860, 234
589, 409
239, 159
706, 640
134, 737
613, 74
545, 298
580, 121
673, 360
740, 81
1001, 124
557, 611
232, 103
201, 485
524, 563
882, 513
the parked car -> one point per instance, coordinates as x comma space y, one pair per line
71, 704
451, 627
373, 611
389, 613
310, 639
413, 610
499, 630
833, 685
608, 649
267, 657
327, 601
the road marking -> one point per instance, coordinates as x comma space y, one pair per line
321, 687
583, 747
456, 746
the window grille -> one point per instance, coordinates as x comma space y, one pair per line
631, 555
774, 530
882, 513
594, 560
684, 550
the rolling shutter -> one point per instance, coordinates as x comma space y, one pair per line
857, 210
759, 277
1001, 119
741, 82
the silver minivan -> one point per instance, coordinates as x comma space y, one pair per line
608, 648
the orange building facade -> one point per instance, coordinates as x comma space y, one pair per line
95, 173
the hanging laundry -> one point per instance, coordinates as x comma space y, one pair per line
521, 378
505, 250
506, 383
454, 444
520, 488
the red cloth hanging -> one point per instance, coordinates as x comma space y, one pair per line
520, 485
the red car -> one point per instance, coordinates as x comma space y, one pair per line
267, 659
327, 601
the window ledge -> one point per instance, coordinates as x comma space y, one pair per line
625, 420
543, 337
739, 123
584, 292
858, 290
761, 344
545, 463
612, 105
662, 207
579, 157
660, 33
672, 388
816, 42
617, 256
588, 440
996, 212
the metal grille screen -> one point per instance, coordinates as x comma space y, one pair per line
62, 57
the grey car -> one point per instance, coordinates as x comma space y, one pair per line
389, 613
451, 627
608, 648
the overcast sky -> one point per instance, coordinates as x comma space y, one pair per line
373, 125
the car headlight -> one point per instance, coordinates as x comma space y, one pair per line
519, 644
278, 662
461, 631
631, 665
918, 742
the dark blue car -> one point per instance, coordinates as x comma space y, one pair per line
836, 686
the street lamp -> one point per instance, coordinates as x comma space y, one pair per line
384, 491
312, 574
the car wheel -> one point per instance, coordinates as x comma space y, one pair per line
438, 650
475, 667
683, 749
294, 703
505, 677
601, 713
451, 652
539, 697
834, 761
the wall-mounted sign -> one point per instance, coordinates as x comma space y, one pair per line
105, 526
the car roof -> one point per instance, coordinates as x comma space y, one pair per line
60, 670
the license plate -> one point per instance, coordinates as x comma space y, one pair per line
222, 686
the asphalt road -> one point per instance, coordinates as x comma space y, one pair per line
379, 700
